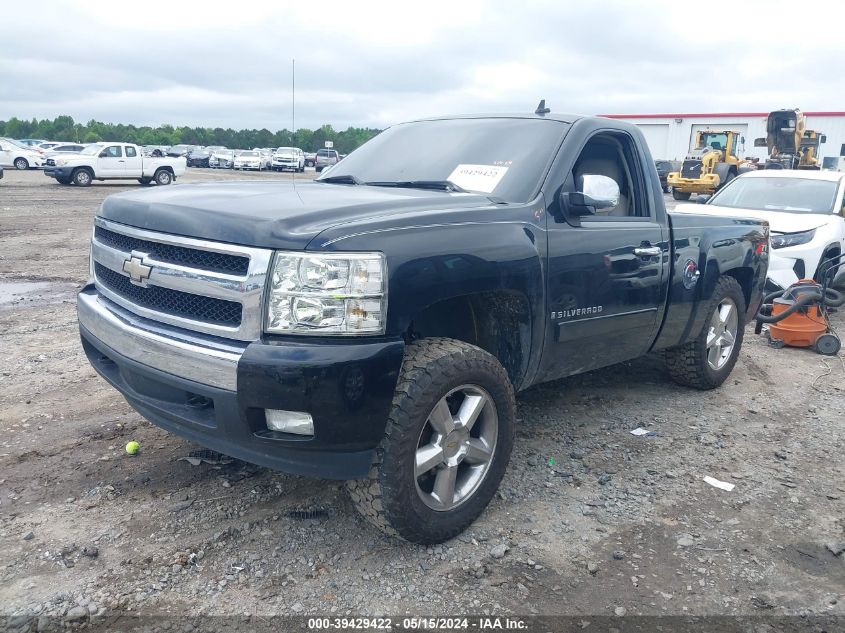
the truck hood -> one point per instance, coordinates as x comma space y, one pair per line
779, 221
272, 215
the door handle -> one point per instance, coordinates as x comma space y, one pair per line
121, 161
647, 251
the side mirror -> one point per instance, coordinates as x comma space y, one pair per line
594, 192
759, 142
104, 154
822, 139
703, 198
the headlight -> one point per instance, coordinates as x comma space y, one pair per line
327, 293
61, 162
792, 239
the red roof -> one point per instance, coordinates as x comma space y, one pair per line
708, 115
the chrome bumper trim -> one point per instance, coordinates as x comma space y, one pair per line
205, 362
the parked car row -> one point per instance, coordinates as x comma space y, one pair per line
259, 159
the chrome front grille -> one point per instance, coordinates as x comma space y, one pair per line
192, 257
210, 287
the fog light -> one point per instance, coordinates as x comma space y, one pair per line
289, 421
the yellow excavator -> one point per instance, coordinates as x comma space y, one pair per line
709, 166
790, 144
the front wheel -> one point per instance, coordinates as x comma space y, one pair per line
446, 446
731, 175
81, 178
680, 195
707, 361
21, 164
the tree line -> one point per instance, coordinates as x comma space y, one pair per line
64, 128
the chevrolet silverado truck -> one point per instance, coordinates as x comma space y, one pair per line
374, 325
114, 161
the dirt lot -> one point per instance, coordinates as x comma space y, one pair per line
591, 520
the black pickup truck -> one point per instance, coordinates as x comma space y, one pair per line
375, 324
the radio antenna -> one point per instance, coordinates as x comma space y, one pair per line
293, 113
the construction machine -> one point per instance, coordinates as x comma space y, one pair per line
789, 143
709, 166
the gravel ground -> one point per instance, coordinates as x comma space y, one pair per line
590, 520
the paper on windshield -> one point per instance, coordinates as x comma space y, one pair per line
482, 178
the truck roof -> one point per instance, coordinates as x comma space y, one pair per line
551, 116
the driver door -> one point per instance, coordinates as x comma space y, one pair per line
606, 268
111, 163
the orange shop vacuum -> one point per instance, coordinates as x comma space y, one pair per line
798, 316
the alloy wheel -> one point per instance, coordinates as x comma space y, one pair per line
721, 333
456, 447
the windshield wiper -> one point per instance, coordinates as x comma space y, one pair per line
442, 185
346, 179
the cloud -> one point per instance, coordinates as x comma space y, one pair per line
376, 63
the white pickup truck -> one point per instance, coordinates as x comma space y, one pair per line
112, 161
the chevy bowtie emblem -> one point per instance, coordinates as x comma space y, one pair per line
138, 271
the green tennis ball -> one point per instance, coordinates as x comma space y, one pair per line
133, 447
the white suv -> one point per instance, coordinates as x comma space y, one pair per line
291, 158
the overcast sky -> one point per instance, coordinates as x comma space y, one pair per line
376, 63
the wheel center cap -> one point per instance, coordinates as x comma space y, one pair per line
454, 443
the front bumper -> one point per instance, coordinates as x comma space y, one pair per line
707, 183
58, 172
788, 265
214, 392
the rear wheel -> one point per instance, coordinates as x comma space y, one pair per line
680, 195
707, 361
21, 164
446, 445
163, 177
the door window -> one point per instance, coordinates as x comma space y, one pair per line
130, 152
613, 155
113, 151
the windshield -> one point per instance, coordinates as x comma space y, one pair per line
91, 150
793, 195
248, 154
714, 141
15, 143
506, 157
286, 150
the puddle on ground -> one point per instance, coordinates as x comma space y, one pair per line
25, 293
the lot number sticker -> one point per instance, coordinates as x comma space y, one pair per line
483, 178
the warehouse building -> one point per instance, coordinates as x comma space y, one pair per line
670, 136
